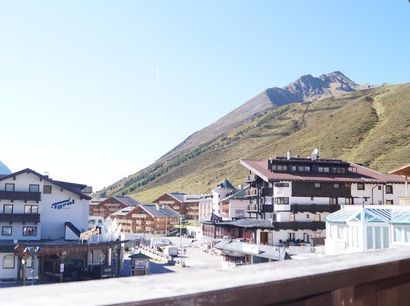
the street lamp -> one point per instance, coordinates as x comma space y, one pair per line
180, 238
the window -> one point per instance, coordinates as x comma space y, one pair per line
47, 189
294, 168
317, 217
279, 167
8, 262
317, 185
291, 236
389, 189
320, 169
281, 184
29, 262
29, 230
34, 188
307, 216
31, 209
7, 208
6, 230
326, 169
336, 186
307, 168
360, 186
291, 217
389, 202
282, 200
301, 168
9, 187
312, 198
333, 201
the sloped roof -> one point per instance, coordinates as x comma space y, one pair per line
160, 211
405, 170
127, 200
225, 184
370, 214
362, 174
264, 250
72, 187
238, 195
123, 211
179, 196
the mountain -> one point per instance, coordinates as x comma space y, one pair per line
369, 126
306, 88
4, 169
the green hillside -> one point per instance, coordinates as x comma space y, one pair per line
371, 126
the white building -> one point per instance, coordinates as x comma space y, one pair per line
369, 227
298, 193
34, 207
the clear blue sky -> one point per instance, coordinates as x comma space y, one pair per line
92, 91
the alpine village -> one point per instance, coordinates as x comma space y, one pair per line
319, 171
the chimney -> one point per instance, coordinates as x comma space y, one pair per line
157, 206
315, 154
288, 155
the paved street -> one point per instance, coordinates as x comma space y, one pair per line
194, 259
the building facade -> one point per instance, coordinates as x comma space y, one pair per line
154, 219
296, 194
187, 205
35, 208
110, 205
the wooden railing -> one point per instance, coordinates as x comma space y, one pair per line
20, 195
375, 278
314, 208
19, 217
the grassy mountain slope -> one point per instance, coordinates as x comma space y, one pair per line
371, 126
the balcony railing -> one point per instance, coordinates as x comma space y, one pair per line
300, 225
20, 195
404, 200
251, 178
252, 207
253, 192
314, 208
19, 217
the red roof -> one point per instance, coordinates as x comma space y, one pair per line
359, 175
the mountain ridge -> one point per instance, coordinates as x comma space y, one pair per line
359, 126
305, 88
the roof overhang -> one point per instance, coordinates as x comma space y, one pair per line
405, 171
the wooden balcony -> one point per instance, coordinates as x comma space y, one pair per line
251, 178
252, 207
300, 225
314, 208
375, 278
20, 195
19, 217
404, 200
253, 192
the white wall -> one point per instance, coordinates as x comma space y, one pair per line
52, 220
379, 196
8, 273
